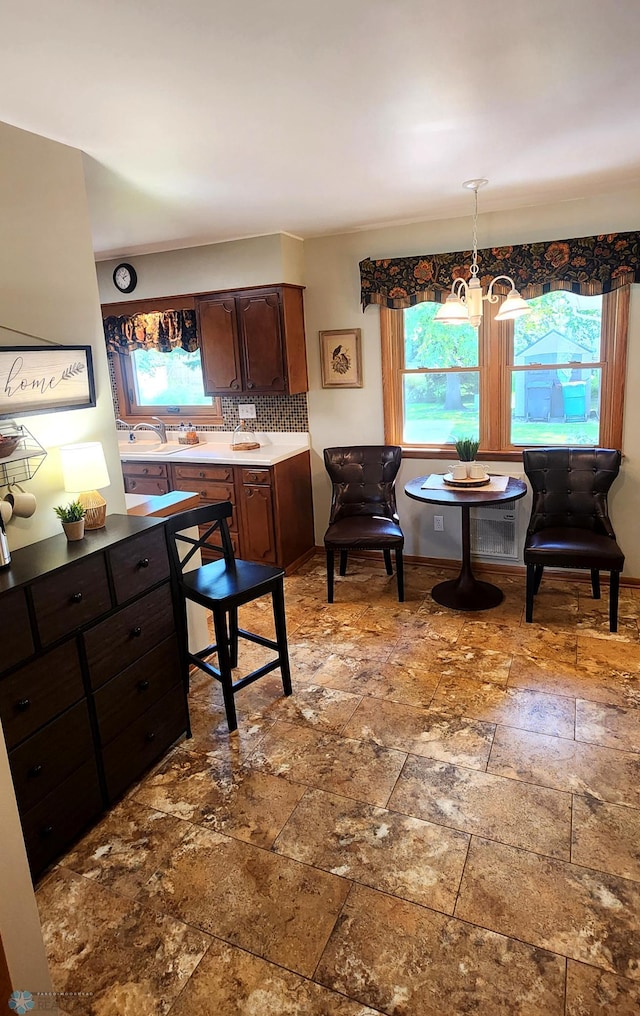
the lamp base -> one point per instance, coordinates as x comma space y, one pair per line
95, 508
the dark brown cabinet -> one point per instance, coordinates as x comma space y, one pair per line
253, 341
92, 691
145, 477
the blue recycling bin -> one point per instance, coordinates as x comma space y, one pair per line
574, 394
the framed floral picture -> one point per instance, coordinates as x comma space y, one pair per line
341, 358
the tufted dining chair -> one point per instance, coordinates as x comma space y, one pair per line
363, 507
569, 525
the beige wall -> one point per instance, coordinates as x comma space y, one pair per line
259, 261
48, 289
332, 300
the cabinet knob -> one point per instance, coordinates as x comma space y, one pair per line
136, 632
46, 830
143, 563
150, 736
143, 685
35, 770
145, 470
76, 598
201, 475
23, 704
250, 384
235, 385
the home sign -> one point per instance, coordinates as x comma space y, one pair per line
44, 379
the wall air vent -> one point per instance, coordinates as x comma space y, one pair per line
494, 530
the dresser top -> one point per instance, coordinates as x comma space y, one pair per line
56, 552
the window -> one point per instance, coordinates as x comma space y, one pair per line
553, 377
153, 383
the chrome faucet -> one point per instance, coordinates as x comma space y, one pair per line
160, 430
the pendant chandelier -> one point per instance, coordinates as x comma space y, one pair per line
464, 303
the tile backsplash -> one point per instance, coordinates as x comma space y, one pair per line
273, 412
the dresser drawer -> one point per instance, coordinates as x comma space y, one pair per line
35, 694
130, 694
17, 642
140, 485
148, 737
256, 476
218, 474
145, 469
127, 635
53, 824
71, 597
51, 755
139, 563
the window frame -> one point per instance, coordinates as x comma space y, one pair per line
495, 366
132, 412
128, 409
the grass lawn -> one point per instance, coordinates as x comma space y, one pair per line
430, 424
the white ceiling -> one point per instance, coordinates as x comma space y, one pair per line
207, 120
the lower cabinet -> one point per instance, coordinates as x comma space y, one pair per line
84, 717
272, 519
145, 477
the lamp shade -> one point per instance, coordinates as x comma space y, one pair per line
84, 467
453, 311
513, 306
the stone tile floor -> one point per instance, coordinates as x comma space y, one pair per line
443, 819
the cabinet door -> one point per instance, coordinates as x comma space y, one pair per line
218, 333
261, 341
258, 531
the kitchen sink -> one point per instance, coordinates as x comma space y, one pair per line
157, 450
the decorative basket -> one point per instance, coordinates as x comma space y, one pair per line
8, 444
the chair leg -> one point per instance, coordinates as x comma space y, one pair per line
224, 666
279, 617
614, 586
400, 574
595, 583
531, 589
233, 637
343, 562
330, 567
387, 561
539, 568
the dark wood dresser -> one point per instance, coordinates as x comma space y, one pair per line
91, 689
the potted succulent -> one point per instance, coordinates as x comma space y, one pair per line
72, 517
467, 448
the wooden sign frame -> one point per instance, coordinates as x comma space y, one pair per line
45, 379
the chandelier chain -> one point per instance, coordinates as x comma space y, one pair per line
474, 259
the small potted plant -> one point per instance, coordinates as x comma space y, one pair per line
467, 448
72, 517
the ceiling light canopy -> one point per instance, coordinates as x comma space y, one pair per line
464, 303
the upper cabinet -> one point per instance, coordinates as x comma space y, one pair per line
253, 341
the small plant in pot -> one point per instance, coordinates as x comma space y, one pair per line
72, 517
467, 448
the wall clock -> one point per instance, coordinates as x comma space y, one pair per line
125, 278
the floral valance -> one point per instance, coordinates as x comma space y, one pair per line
589, 266
161, 330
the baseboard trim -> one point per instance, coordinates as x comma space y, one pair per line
495, 568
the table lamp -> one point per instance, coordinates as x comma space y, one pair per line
84, 469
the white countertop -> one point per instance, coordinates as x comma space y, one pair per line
215, 446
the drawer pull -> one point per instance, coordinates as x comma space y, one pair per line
46, 830
23, 704
150, 736
145, 470
35, 770
235, 385
143, 563
250, 384
136, 632
76, 598
143, 685
201, 475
